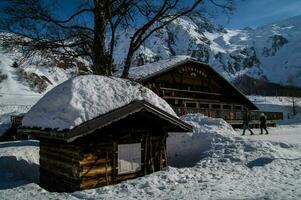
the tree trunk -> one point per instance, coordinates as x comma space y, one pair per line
101, 61
127, 64
294, 106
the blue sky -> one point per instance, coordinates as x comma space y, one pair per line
254, 13
248, 13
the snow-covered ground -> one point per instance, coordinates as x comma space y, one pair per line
214, 162
283, 133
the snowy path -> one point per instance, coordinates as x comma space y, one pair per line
284, 133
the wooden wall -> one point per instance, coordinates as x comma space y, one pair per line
199, 78
59, 166
99, 159
92, 161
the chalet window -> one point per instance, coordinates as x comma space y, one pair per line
216, 106
204, 105
129, 158
171, 102
237, 107
191, 105
227, 107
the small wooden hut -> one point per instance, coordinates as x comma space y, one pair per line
125, 143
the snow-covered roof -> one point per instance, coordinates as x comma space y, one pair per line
83, 98
151, 69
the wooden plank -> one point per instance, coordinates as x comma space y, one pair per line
59, 156
191, 99
67, 152
59, 144
59, 173
95, 182
57, 183
56, 166
191, 91
128, 176
101, 163
107, 168
95, 171
89, 163
87, 157
66, 146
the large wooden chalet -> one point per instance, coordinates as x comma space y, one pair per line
190, 86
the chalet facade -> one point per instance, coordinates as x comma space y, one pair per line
125, 143
190, 86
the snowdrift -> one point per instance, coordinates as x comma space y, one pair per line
19, 163
184, 150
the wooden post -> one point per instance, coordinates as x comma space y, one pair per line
106, 165
151, 154
145, 155
114, 168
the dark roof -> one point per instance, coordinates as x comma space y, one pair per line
108, 118
251, 105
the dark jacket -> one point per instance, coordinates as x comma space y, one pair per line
246, 118
263, 121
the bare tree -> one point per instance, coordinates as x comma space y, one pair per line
89, 27
295, 104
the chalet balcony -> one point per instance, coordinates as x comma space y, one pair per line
233, 117
172, 93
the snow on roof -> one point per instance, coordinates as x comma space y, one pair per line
144, 71
85, 97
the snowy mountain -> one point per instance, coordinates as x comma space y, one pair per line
271, 52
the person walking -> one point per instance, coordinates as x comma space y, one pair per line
263, 124
246, 121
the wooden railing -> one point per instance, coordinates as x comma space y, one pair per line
229, 115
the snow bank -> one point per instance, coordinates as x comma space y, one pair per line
19, 163
85, 97
185, 149
149, 69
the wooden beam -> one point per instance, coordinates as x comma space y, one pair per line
96, 171
91, 163
192, 99
191, 91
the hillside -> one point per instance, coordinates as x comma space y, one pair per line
24, 84
249, 85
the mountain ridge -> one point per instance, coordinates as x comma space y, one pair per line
271, 53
